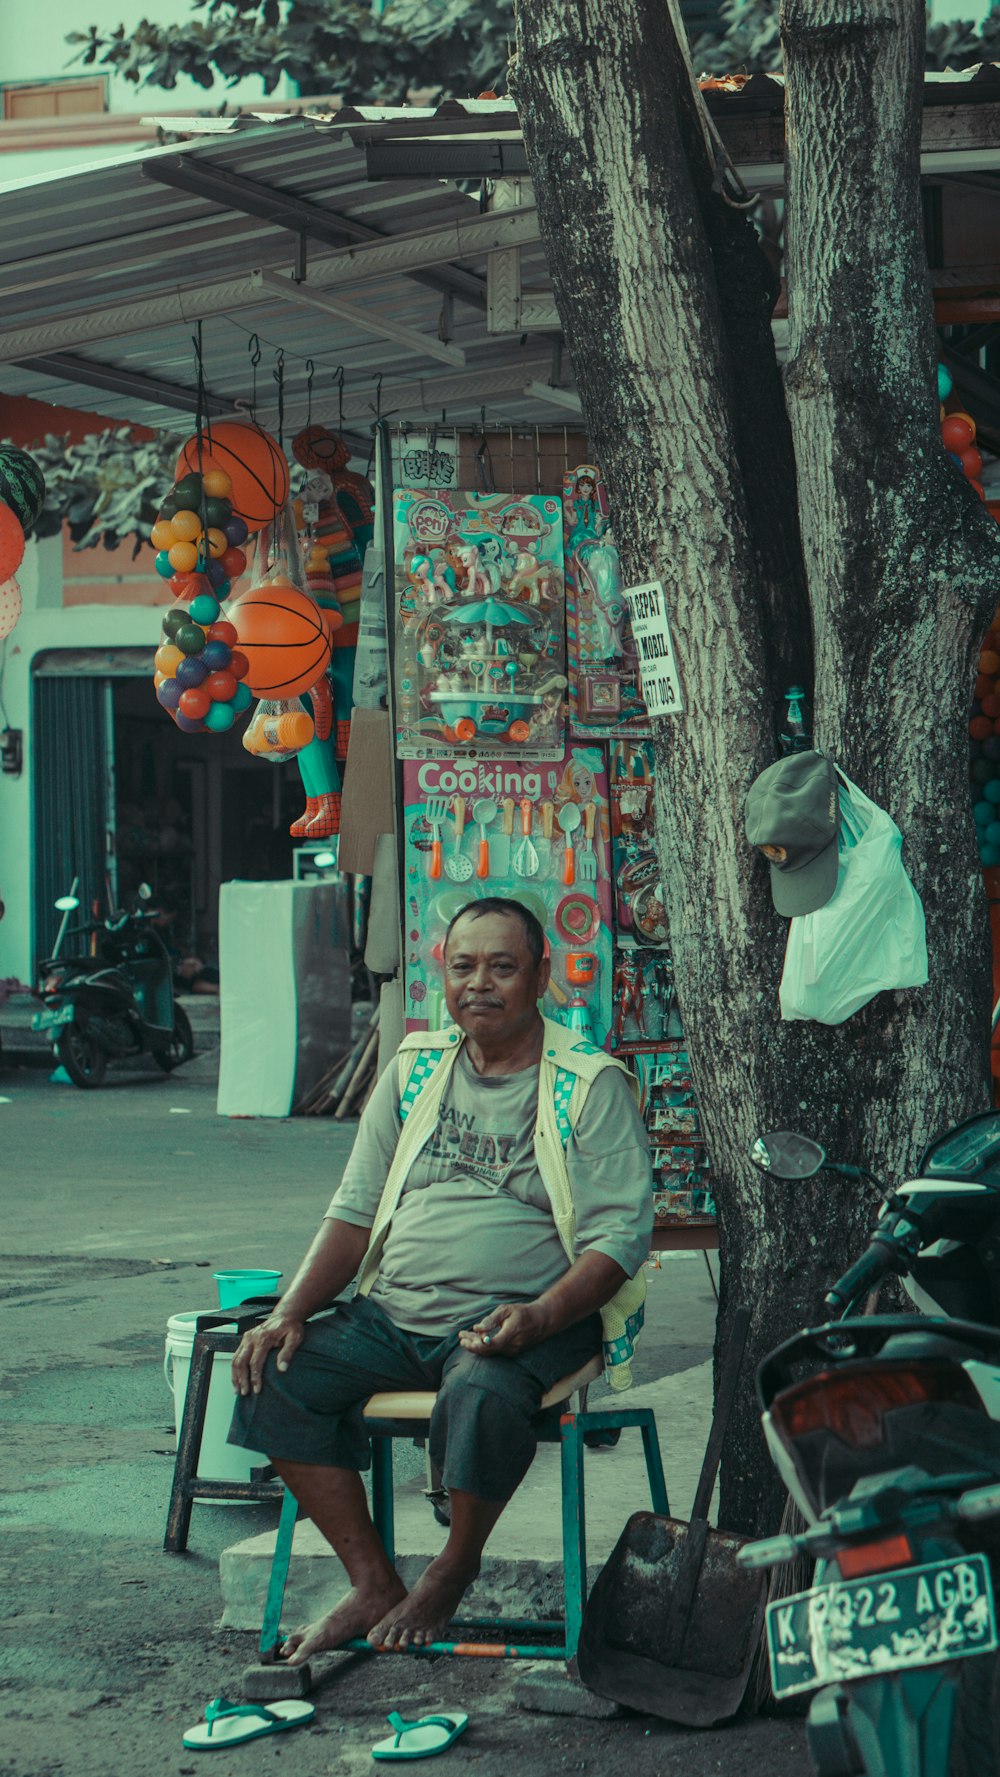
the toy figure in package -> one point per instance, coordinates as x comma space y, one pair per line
604, 694
480, 655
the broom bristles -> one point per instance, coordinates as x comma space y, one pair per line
794, 1576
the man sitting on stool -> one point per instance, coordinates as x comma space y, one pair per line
498, 1202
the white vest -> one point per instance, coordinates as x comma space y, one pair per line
568, 1068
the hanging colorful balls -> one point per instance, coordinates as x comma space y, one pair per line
167, 659
251, 460
191, 672
186, 526
10, 606
183, 557
945, 382
221, 687
194, 703
205, 608
169, 693
11, 543
190, 638
958, 431
233, 561
187, 490
220, 716
222, 632
217, 656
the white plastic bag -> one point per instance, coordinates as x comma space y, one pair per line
870, 937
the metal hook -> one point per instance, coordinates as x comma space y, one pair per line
253, 347
279, 376
339, 377
310, 373
378, 395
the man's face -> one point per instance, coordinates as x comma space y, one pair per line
491, 985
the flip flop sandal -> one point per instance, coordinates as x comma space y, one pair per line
431, 1734
230, 1724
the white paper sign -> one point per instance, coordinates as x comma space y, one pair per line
647, 608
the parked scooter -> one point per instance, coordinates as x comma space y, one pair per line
886, 1431
114, 1003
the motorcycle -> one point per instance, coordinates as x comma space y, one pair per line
885, 1429
116, 1002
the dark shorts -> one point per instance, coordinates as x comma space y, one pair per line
482, 1435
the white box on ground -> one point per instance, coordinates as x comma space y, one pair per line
285, 992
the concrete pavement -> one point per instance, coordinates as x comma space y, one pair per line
117, 1206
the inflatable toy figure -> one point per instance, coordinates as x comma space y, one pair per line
338, 514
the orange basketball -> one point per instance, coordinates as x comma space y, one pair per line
281, 632
253, 460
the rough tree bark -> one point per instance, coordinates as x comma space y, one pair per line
902, 562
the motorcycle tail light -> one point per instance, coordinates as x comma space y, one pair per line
890, 1551
854, 1402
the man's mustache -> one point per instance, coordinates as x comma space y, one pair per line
467, 1004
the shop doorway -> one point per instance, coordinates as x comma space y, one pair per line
121, 796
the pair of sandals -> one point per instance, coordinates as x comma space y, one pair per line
232, 1724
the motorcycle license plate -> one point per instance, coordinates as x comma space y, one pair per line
51, 1016
913, 1616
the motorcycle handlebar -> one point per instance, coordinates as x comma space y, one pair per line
881, 1258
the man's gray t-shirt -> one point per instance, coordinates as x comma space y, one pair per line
474, 1225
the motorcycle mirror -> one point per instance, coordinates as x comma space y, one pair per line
66, 904
787, 1155
144, 892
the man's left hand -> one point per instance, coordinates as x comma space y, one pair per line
506, 1330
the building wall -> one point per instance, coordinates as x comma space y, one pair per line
88, 599
39, 146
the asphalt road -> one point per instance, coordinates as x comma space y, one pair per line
117, 1206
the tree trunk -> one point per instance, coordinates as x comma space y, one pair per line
902, 573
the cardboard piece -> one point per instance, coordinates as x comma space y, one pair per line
382, 948
368, 801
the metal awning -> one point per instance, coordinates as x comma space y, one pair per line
355, 240
271, 231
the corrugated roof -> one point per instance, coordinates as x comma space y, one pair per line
110, 267
105, 270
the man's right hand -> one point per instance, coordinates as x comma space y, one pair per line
280, 1332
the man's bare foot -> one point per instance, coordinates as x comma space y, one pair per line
423, 1615
351, 1618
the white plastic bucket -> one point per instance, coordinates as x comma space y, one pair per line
218, 1460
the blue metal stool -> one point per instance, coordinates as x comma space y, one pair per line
389, 1416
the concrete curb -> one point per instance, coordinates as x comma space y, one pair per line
522, 1572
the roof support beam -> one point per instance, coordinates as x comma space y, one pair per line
66, 368
567, 399
365, 320
350, 266
434, 395
232, 191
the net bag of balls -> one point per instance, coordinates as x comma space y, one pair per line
198, 670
